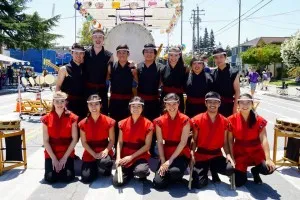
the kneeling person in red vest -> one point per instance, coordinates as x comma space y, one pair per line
60, 137
134, 142
97, 137
247, 139
172, 132
209, 137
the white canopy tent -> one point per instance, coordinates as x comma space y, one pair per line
10, 60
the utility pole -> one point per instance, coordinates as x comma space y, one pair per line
181, 4
75, 23
196, 24
193, 24
239, 38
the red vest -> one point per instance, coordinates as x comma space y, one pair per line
210, 135
171, 133
134, 136
60, 132
97, 135
247, 141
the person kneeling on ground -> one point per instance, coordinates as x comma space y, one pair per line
60, 137
247, 139
97, 137
134, 142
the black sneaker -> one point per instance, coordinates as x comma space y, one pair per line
256, 177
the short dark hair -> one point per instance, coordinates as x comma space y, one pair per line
98, 31
122, 47
204, 56
77, 46
150, 45
219, 50
213, 95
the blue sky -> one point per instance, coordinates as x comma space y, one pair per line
278, 18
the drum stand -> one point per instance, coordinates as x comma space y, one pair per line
286, 135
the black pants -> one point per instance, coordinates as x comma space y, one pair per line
226, 109
90, 170
152, 111
78, 107
118, 110
175, 173
139, 169
218, 165
241, 177
192, 110
65, 175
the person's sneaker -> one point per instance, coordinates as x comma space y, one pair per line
256, 176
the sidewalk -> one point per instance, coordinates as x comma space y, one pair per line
292, 94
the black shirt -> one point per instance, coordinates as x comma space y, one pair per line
96, 66
198, 85
121, 79
73, 82
149, 78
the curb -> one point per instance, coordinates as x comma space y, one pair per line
296, 99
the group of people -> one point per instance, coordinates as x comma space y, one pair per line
255, 78
211, 134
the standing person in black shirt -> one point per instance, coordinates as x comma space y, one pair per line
148, 73
227, 83
173, 76
121, 75
198, 84
70, 81
96, 63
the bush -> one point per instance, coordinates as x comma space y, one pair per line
294, 72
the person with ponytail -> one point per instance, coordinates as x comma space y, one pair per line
134, 142
173, 76
248, 144
60, 137
97, 138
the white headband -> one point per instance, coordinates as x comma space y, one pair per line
94, 100
98, 34
59, 98
171, 101
123, 50
198, 62
222, 53
216, 99
77, 50
145, 48
245, 100
136, 102
176, 53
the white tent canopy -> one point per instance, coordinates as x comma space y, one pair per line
10, 60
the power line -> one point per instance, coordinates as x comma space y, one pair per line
272, 25
241, 16
247, 17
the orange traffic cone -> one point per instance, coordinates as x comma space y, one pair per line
19, 106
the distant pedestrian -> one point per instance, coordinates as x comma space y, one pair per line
253, 79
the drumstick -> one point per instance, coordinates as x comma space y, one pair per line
191, 177
120, 174
232, 183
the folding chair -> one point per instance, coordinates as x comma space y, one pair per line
15, 150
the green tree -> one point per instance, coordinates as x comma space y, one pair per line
290, 51
86, 34
19, 30
228, 50
205, 39
212, 39
262, 56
